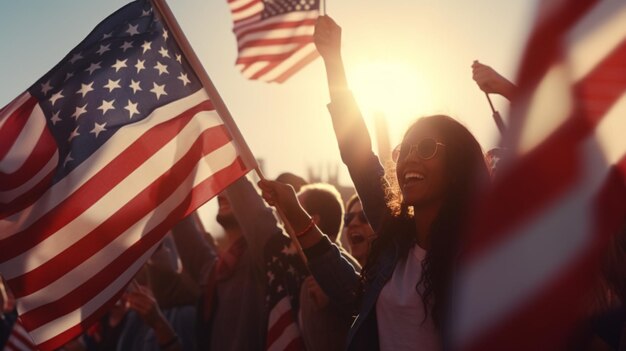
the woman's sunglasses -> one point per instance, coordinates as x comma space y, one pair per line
348, 217
425, 149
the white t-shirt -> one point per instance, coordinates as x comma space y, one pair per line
400, 312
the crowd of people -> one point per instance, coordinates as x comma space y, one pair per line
375, 271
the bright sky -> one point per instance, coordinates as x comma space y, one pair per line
404, 58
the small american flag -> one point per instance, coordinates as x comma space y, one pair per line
98, 160
274, 37
536, 243
19, 340
285, 273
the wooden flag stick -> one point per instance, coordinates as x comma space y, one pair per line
322, 7
218, 103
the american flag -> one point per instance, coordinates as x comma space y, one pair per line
98, 160
274, 37
19, 340
537, 239
285, 274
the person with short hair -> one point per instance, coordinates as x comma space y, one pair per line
324, 326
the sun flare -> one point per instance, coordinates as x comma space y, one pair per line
393, 89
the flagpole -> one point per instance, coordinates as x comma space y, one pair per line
244, 151
496, 116
286, 223
323, 7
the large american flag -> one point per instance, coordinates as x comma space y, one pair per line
285, 274
535, 247
98, 159
274, 37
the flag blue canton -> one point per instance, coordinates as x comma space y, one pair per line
279, 7
128, 66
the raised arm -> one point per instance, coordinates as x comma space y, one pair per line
256, 219
350, 129
337, 277
354, 141
196, 254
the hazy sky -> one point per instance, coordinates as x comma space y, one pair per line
404, 58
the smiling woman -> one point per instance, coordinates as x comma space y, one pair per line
402, 293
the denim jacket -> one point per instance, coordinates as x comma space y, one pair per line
340, 281
335, 275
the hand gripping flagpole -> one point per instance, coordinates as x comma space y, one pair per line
242, 147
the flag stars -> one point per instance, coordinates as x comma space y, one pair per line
132, 109
98, 128
93, 67
145, 13
127, 45
146, 46
55, 118
79, 111
183, 78
77, 56
106, 105
161, 68
119, 65
140, 65
112, 85
56, 96
158, 90
68, 76
46, 87
85, 88
164, 53
289, 250
68, 159
165, 34
292, 270
107, 36
103, 49
132, 30
73, 135
135, 86
179, 58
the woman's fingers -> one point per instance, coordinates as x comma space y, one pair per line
327, 36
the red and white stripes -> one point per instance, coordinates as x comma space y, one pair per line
274, 48
77, 246
283, 333
19, 340
28, 154
536, 241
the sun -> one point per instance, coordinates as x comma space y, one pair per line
395, 89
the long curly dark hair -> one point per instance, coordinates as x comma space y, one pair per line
466, 172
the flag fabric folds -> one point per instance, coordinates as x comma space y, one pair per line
535, 246
98, 159
274, 37
285, 274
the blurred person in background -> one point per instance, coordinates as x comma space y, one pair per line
358, 231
